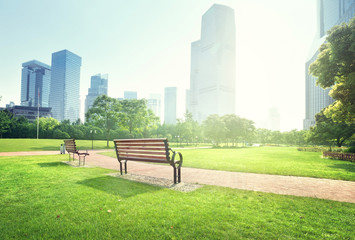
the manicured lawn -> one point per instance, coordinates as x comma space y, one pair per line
42, 198
17, 145
269, 160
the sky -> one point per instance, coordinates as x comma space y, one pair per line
144, 46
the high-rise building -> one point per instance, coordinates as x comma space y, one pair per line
35, 84
213, 64
329, 14
154, 104
273, 120
130, 95
98, 87
65, 86
30, 113
170, 105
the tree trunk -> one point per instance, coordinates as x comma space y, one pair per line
339, 143
108, 137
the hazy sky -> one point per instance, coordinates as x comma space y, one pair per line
144, 46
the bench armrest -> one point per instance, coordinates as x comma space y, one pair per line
179, 162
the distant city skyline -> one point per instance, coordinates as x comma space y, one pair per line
146, 47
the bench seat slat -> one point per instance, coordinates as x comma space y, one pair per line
141, 148
144, 159
141, 140
143, 152
122, 156
141, 144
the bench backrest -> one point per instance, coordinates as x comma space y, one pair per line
70, 145
145, 150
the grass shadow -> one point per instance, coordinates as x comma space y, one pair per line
348, 167
118, 186
52, 164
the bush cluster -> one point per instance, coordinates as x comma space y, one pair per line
322, 149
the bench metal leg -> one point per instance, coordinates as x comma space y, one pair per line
174, 175
121, 168
125, 167
179, 174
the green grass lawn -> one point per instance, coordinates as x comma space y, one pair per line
42, 198
28, 144
269, 160
21, 145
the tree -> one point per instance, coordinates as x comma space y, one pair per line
335, 67
326, 131
263, 135
105, 113
47, 126
187, 128
214, 128
248, 129
234, 127
138, 118
20, 128
5, 121
58, 134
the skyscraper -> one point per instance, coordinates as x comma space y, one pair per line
273, 120
98, 87
329, 14
213, 63
170, 102
65, 86
35, 84
130, 95
154, 104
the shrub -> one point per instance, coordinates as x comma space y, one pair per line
321, 149
58, 134
350, 150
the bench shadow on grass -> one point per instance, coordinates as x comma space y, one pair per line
52, 164
46, 148
118, 186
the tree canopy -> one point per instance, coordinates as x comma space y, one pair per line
327, 132
105, 113
335, 67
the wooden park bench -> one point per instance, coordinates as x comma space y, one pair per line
154, 150
70, 146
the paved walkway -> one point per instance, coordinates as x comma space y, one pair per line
337, 190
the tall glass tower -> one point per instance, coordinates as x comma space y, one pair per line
154, 104
65, 86
35, 84
130, 95
98, 87
170, 105
329, 14
213, 63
